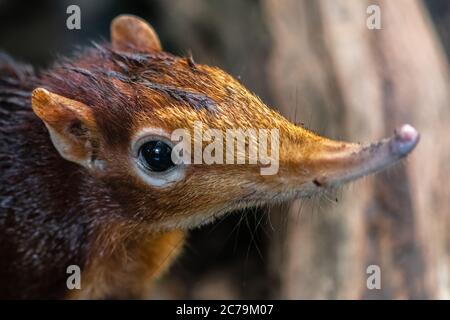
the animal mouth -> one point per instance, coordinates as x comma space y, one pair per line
336, 164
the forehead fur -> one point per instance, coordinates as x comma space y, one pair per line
119, 86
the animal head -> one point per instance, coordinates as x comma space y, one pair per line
114, 109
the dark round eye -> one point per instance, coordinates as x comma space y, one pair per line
156, 156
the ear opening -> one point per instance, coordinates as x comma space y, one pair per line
71, 125
128, 31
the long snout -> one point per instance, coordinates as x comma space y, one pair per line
331, 163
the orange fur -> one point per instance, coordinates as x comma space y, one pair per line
129, 271
98, 209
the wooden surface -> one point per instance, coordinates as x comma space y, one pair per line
358, 84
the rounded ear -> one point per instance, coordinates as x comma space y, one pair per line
128, 31
71, 125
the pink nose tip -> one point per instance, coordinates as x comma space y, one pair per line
407, 133
405, 139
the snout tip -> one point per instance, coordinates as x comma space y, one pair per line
405, 140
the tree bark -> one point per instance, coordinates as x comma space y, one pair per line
349, 82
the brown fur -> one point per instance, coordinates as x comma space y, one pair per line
129, 271
85, 204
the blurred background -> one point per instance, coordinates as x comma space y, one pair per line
320, 66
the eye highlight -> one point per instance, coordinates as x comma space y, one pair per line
156, 156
